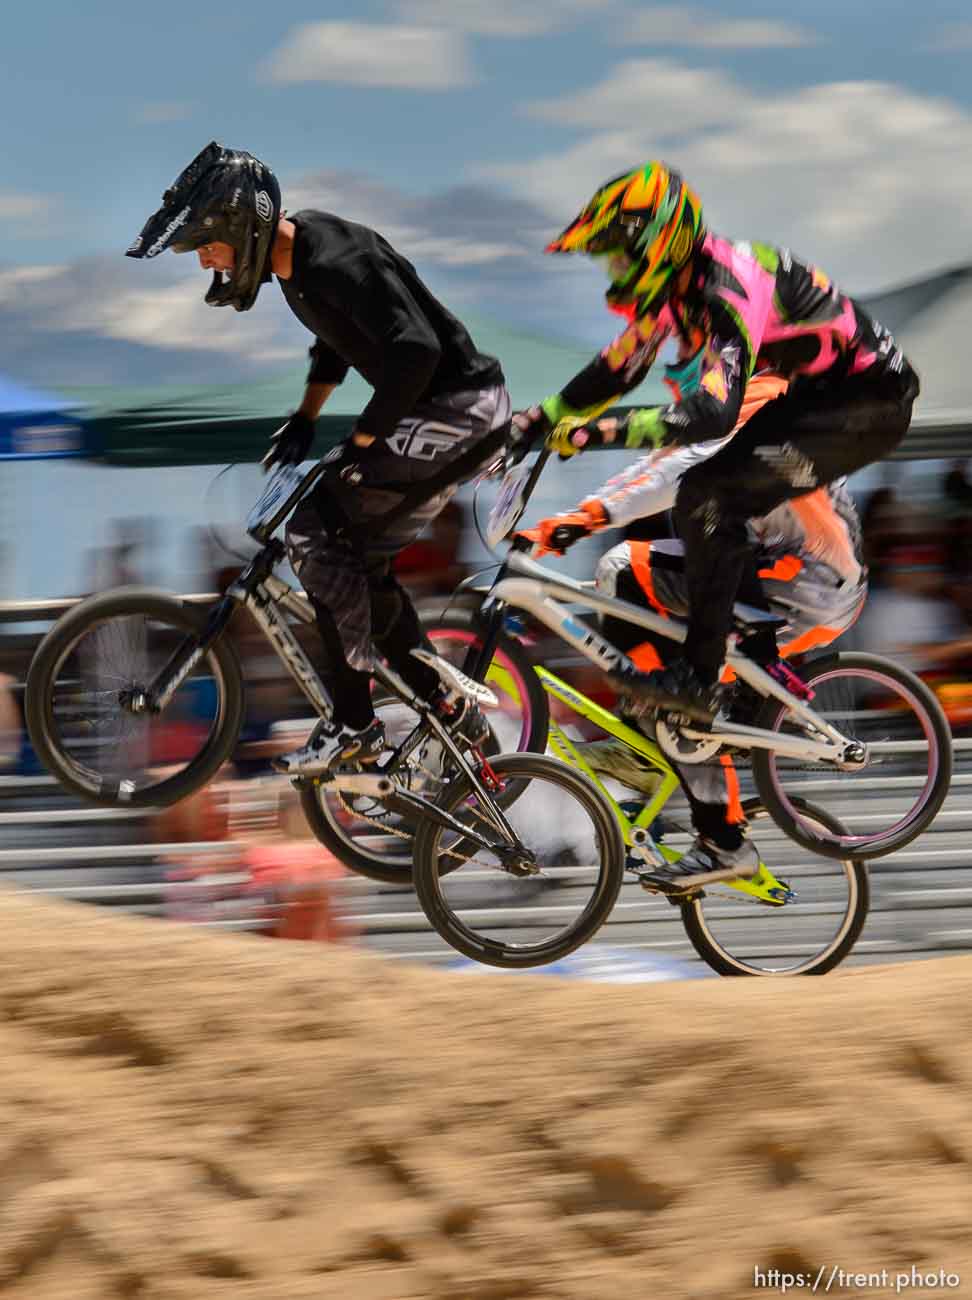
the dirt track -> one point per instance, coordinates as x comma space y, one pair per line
196, 1116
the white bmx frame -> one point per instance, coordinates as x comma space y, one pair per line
529, 586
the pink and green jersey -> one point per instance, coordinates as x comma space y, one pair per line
754, 307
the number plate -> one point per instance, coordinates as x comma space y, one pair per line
281, 486
508, 506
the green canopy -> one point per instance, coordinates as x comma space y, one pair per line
211, 424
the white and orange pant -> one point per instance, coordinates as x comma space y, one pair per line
817, 604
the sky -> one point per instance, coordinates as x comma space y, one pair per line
469, 132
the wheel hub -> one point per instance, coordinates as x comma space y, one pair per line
854, 757
134, 700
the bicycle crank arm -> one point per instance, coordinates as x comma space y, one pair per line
824, 751
360, 783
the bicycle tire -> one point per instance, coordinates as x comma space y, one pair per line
426, 872
465, 625
718, 957
918, 819
130, 602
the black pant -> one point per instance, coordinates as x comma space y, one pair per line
342, 549
816, 432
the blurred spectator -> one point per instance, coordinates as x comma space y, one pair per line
911, 617
293, 875
272, 875
957, 491
12, 734
880, 529
127, 558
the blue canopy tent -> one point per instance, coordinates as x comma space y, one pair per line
40, 426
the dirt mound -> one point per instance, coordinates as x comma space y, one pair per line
195, 1116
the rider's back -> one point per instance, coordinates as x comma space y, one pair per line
798, 321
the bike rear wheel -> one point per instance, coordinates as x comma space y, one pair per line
809, 934
80, 685
502, 919
893, 798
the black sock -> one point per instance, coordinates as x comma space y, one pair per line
710, 821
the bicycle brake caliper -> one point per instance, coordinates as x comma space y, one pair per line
491, 780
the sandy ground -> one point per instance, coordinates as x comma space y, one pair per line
199, 1116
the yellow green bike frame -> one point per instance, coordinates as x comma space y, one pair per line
637, 836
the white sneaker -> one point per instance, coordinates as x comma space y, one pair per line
614, 758
330, 745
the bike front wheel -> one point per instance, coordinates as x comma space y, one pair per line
87, 672
809, 933
889, 799
486, 911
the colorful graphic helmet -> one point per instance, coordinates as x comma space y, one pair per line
224, 195
650, 214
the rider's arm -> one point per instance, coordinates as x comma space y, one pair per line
326, 367
315, 395
619, 368
650, 484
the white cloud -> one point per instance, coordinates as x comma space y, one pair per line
19, 279
174, 316
163, 111
511, 18
674, 25
673, 98
953, 38
870, 179
371, 54
23, 207
162, 310
456, 229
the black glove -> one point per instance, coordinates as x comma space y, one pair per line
291, 443
527, 428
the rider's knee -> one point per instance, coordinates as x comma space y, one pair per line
610, 566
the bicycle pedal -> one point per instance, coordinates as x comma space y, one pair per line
456, 680
689, 884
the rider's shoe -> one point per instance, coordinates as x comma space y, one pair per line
330, 745
676, 689
615, 758
704, 863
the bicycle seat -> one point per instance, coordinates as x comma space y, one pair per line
746, 618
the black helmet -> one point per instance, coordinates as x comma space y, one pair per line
224, 195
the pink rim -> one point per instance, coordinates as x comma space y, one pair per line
916, 810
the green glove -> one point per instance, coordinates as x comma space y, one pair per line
645, 426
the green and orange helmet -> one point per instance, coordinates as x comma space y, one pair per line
651, 215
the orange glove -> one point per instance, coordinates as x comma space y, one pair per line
553, 536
